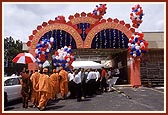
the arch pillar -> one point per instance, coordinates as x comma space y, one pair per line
135, 79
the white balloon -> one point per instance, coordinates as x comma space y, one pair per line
129, 44
132, 45
58, 50
134, 55
137, 47
43, 52
47, 50
57, 57
65, 47
53, 56
141, 44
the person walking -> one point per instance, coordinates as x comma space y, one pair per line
54, 80
25, 87
103, 80
77, 80
35, 94
71, 85
63, 83
44, 89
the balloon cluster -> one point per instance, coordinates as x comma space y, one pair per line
137, 46
42, 50
100, 10
63, 57
136, 16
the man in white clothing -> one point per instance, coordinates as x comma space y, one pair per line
77, 81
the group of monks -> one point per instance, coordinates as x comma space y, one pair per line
40, 87
43, 87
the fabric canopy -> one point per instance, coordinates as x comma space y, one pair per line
87, 64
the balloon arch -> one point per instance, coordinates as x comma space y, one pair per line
88, 30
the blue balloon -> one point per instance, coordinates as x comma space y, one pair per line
143, 51
133, 48
57, 65
131, 53
133, 42
43, 45
65, 49
46, 56
137, 51
63, 65
136, 39
39, 52
138, 54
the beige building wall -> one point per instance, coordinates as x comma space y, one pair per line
155, 39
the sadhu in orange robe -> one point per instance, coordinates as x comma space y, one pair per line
35, 94
44, 89
54, 80
63, 83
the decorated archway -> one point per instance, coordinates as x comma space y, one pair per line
84, 31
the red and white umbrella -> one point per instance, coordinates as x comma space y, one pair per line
24, 58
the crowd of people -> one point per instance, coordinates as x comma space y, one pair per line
41, 86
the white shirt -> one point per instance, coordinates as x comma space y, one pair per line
77, 79
70, 76
117, 71
91, 75
109, 73
97, 75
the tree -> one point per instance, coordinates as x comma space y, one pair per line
11, 49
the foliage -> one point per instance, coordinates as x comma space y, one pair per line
11, 49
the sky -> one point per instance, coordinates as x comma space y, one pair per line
20, 19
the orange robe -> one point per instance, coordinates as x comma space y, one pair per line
54, 80
34, 96
63, 83
44, 89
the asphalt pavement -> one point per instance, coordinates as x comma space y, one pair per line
124, 99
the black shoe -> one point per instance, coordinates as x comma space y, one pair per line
78, 100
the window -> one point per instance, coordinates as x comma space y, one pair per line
12, 81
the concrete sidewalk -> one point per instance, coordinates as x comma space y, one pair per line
141, 99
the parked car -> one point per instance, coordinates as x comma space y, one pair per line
12, 88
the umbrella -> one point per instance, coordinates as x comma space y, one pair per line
24, 58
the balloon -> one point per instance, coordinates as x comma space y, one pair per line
134, 55
141, 44
131, 53
129, 44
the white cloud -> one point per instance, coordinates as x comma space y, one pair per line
21, 19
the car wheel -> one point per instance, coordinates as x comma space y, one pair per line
5, 99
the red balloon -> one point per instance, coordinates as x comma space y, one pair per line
56, 53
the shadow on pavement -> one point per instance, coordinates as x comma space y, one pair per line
53, 107
10, 108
